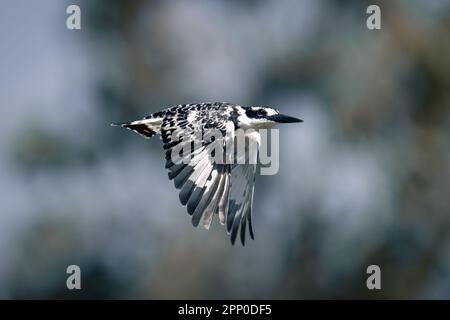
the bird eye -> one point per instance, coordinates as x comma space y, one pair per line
261, 112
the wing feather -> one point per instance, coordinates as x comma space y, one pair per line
209, 190
214, 203
199, 189
222, 206
240, 199
189, 185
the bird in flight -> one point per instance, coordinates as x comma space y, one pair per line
210, 182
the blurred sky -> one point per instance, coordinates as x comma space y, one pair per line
364, 180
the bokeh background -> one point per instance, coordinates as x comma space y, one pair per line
364, 180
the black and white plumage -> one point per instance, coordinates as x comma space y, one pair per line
208, 187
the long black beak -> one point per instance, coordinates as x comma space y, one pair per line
281, 118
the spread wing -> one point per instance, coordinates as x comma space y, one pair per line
192, 137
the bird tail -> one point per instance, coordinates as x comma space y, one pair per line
145, 127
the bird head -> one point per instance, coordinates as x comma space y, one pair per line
264, 117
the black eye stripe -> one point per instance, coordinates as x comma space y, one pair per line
255, 113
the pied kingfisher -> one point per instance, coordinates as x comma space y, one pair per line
207, 187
